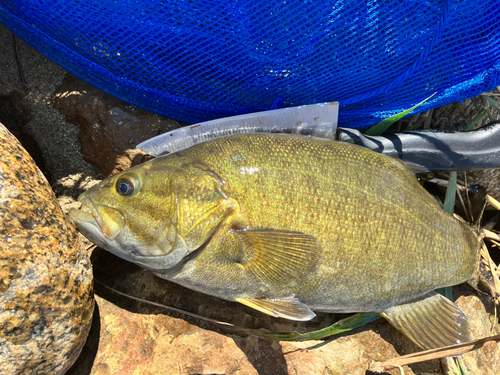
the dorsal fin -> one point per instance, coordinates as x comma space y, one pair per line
416, 168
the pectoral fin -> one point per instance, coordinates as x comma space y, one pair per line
277, 257
288, 308
430, 322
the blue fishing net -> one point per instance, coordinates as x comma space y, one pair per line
198, 60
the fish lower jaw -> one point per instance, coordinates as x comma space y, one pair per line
83, 218
87, 225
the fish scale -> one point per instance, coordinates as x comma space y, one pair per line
289, 224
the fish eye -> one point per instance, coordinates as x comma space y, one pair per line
125, 186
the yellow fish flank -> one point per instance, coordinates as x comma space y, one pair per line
289, 224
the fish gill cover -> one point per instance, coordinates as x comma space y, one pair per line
203, 59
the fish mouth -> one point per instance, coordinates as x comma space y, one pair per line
86, 216
91, 222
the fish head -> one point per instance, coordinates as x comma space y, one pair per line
154, 214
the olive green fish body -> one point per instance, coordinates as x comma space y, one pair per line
383, 238
286, 224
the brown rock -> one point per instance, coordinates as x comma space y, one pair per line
46, 299
345, 355
108, 126
157, 344
481, 314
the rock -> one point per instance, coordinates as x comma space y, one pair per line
15, 114
46, 300
481, 313
26, 111
109, 127
344, 355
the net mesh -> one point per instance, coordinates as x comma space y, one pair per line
198, 60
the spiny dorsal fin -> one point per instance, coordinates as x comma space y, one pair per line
277, 256
416, 168
430, 322
288, 308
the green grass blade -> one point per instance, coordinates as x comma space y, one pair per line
449, 204
343, 325
382, 126
475, 120
446, 292
486, 106
461, 367
451, 193
493, 103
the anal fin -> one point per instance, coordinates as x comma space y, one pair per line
288, 308
430, 322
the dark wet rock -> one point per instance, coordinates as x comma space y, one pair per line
489, 179
109, 127
15, 114
46, 300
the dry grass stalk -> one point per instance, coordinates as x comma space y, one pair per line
427, 355
493, 269
494, 238
488, 234
493, 202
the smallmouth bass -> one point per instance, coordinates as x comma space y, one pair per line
289, 224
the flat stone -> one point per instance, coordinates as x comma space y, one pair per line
46, 299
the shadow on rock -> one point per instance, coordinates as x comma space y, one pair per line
266, 356
128, 278
15, 114
84, 363
73, 185
137, 336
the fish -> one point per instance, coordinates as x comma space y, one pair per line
288, 225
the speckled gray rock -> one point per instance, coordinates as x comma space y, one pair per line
46, 298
